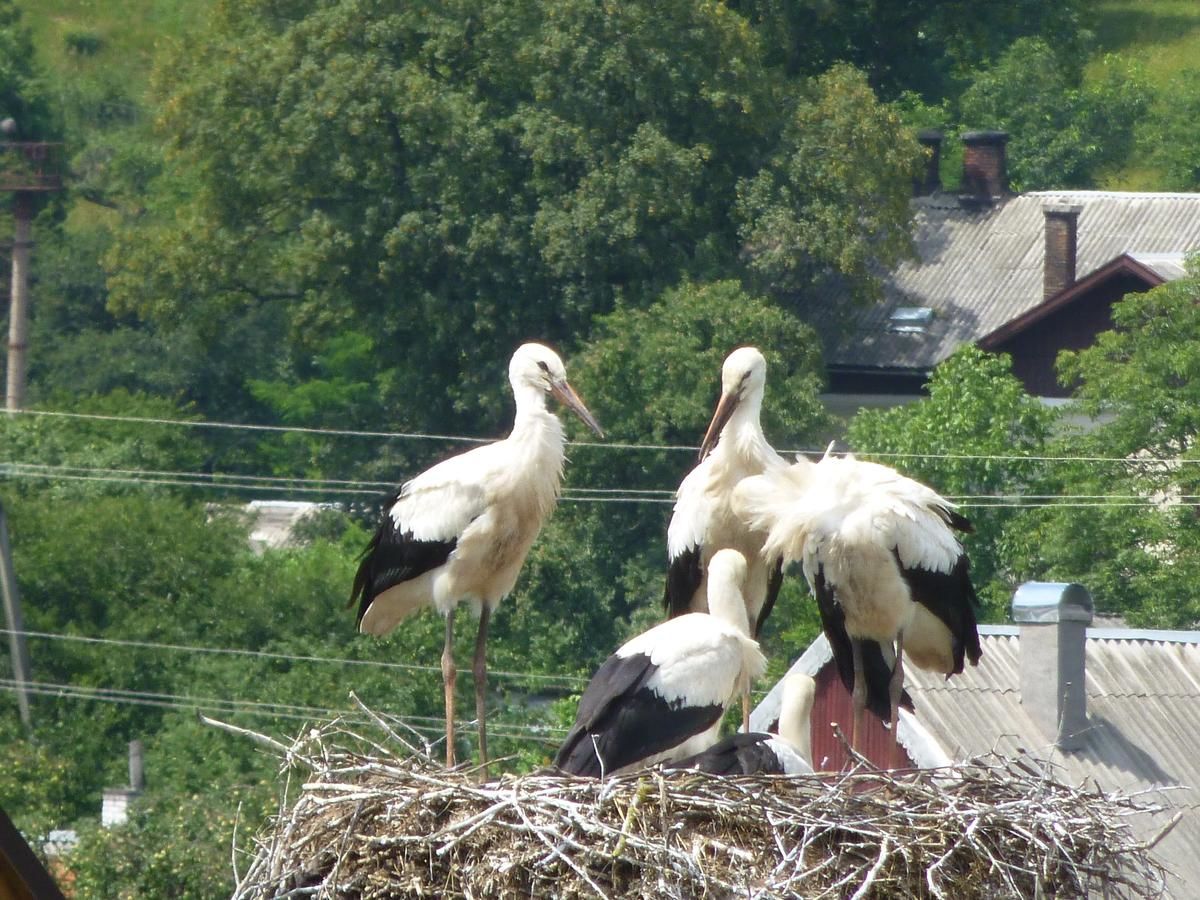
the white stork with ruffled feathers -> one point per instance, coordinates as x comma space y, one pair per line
662, 695
734, 447
881, 555
460, 531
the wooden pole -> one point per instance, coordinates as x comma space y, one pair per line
18, 315
16, 623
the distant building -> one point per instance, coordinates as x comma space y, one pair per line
1024, 274
1134, 726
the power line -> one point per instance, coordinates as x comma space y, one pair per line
428, 724
289, 657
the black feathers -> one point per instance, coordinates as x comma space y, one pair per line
621, 721
876, 671
951, 597
391, 558
738, 754
683, 579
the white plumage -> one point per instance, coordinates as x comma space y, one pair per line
661, 696
703, 520
880, 553
460, 531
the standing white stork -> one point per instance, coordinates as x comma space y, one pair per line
703, 522
661, 696
880, 553
787, 753
461, 529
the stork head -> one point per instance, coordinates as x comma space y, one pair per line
726, 580
538, 368
743, 378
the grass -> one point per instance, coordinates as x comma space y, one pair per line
1164, 37
124, 33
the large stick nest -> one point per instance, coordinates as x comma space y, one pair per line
377, 819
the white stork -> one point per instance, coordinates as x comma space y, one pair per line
787, 753
880, 553
461, 529
661, 696
703, 522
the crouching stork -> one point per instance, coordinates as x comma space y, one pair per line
662, 695
786, 753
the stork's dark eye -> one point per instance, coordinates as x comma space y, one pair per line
545, 368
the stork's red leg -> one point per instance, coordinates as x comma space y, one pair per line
858, 695
479, 670
746, 709
449, 677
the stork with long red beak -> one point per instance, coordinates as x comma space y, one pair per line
734, 447
460, 531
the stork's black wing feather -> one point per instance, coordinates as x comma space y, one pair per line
951, 597
774, 583
684, 574
621, 721
738, 754
877, 672
394, 556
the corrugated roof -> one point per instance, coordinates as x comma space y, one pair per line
980, 266
1143, 695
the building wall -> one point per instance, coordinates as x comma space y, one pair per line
1074, 327
832, 704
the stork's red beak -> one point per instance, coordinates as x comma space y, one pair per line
725, 407
567, 396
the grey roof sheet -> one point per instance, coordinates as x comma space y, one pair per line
1143, 694
980, 267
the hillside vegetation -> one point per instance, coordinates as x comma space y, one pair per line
300, 240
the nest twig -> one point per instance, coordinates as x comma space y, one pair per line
368, 823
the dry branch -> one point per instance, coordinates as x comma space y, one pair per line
368, 824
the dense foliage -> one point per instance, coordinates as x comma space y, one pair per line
340, 216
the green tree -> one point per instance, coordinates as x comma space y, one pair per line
1170, 136
1063, 133
1130, 533
908, 45
966, 440
452, 180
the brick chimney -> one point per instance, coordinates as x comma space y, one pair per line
1053, 618
929, 180
1062, 227
985, 172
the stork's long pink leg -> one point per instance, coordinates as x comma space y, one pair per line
858, 696
449, 677
746, 709
479, 669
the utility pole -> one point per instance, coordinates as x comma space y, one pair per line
18, 308
27, 168
16, 624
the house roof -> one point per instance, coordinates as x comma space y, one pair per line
980, 266
1143, 704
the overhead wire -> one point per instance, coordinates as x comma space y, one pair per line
288, 657
611, 445
569, 495
427, 724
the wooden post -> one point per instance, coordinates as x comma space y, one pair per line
18, 315
16, 623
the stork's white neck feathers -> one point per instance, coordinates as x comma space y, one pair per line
795, 713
